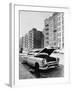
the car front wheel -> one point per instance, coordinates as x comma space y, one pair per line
36, 67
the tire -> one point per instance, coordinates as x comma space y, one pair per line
57, 66
36, 67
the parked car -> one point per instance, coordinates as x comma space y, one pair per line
25, 53
42, 60
61, 51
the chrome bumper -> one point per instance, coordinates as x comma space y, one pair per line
44, 68
49, 65
52, 64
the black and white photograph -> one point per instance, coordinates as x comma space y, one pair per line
41, 44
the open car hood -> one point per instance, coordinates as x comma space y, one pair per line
48, 51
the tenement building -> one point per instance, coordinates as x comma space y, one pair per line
54, 31
20, 44
25, 41
59, 29
34, 39
46, 33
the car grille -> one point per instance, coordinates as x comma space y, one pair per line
52, 63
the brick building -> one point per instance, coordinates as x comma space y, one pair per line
33, 39
36, 39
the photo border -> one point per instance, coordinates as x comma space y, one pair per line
14, 74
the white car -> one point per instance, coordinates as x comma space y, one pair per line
59, 51
42, 60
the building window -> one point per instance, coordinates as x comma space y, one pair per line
59, 29
47, 37
59, 23
54, 43
55, 31
47, 29
62, 45
47, 42
47, 33
56, 19
59, 40
47, 25
59, 18
55, 37
59, 34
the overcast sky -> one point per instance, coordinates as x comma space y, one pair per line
31, 19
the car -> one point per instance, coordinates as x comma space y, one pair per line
61, 51
42, 60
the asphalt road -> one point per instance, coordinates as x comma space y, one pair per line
27, 72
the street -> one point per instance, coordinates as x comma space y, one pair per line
27, 72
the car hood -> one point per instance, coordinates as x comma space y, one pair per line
48, 51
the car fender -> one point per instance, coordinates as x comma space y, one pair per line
32, 60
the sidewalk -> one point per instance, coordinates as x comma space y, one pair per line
23, 73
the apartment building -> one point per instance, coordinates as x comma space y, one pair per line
54, 31
34, 39
59, 29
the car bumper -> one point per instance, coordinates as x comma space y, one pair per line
48, 66
44, 68
53, 65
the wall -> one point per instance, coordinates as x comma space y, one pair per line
4, 43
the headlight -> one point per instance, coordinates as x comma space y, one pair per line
44, 61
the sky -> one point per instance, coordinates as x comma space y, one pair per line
32, 19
